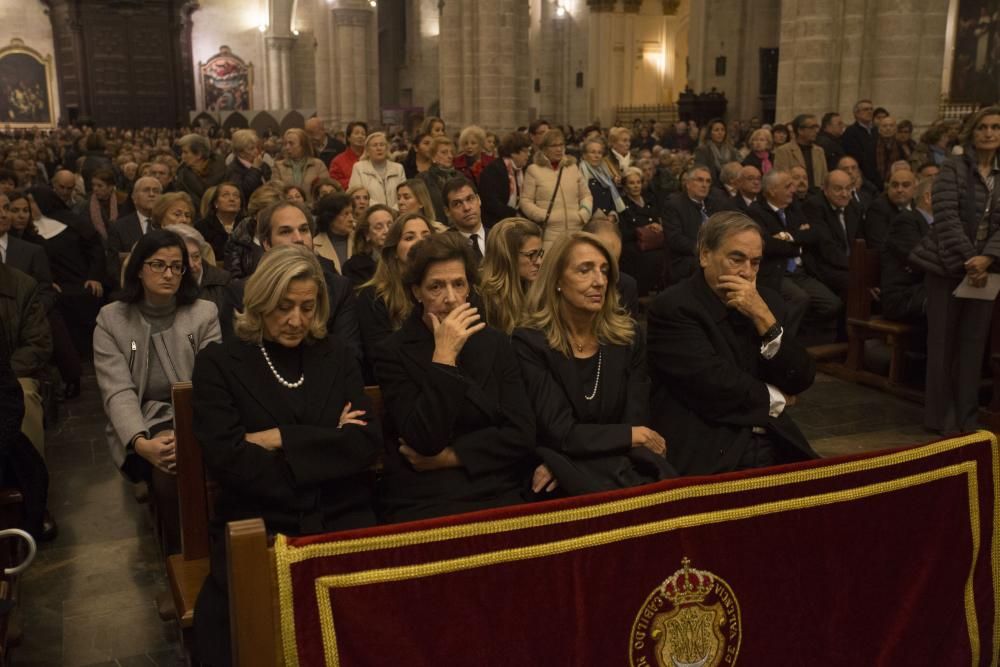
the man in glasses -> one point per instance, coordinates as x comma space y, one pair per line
859, 140
803, 151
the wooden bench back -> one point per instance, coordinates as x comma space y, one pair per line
864, 273
255, 620
192, 484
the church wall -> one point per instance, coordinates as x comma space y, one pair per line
233, 23
28, 20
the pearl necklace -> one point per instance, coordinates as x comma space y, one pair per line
597, 382
302, 378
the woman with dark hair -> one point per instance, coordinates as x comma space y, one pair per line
453, 393
961, 249
335, 224
383, 304
715, 149
418, 160
225, 209
322, 187
146, 341
366, 244
583, 361
501, 181
76, 257
284, 425
102, 207
510, 265
780, 135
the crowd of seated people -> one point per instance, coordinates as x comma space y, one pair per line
492, 291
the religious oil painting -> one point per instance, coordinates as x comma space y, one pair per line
976, 74
227, 82
25, 87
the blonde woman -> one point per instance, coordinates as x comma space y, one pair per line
473, 158
555, 193
376, 173
583, 362
761, 156
413, 197
175, 208
366, 244
511, 264
300, 165
282, 418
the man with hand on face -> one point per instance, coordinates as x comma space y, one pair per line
723, 368
289, 223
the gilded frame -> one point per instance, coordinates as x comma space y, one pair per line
43, 76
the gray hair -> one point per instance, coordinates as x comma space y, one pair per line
730, 173
771, 178
196, 143
244, 140
720, 226
689, 174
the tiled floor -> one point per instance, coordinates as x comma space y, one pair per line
89, 597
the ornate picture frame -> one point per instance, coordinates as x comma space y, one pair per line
226, 82
26, 85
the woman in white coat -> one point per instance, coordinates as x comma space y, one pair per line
376, 172
555, 195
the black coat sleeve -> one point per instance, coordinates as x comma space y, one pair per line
343, 322
494, 188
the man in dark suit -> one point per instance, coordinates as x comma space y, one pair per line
786, 233
830, 133
904, 296
747, 190
723, 368
464, 210
288, 223
497, 189
897, 198
29, 258
860, 138
683, 216
838, 219
862, 191
125, 232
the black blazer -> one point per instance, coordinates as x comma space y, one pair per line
859, 143
215, 234
359, 269
628, 290
375, 325
681, 222
776, 251
588, 456
123, 233
30, 258
247, 178
903, 294
878, 218
494, 190
343, 320
478, 408
829, 261
709, 379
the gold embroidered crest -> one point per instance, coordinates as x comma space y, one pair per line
691, 620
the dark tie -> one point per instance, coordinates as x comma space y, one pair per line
474, 242
791, 264
843, 225
704, 214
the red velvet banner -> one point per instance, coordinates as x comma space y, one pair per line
883, 559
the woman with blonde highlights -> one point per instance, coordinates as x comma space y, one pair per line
511, 264
376, 172
583, 361
283, 422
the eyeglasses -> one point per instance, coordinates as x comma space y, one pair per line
533, 256
176, 268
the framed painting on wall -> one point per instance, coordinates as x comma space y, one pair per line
25, 87
975, 74
227, 82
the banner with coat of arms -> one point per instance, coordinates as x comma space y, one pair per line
227, 82
879, 559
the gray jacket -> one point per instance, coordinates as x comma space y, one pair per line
122, 342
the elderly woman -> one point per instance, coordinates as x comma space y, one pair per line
376, 173
383, 304
583, 361
600, 181
201, 168
760, 155
366, 244
224, 207
555, 194
641, 258
440, 172
146, 341
283, 422
300, 166
322, 187
715, 148
335, 221
454, 397
214, 284
105, 204
501, 182
511, 264
472, 160
619, 158
961, 250
247, 169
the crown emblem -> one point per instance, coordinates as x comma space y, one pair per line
687, 585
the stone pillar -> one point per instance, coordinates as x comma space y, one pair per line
834, 53
279, 72
352, 72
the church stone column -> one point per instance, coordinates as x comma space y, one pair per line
279, 75
354, 93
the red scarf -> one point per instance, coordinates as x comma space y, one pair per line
97, 219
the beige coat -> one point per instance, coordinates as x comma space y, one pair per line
573, 202
381, 188
323, 246
314, 170
790, 155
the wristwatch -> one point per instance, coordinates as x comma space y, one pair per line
771, 334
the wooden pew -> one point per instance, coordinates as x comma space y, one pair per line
255, 622
863, 325
188, 569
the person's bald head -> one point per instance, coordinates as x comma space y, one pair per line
887, 128
314, 128
145, 192
837, 188
750, 181
64, 183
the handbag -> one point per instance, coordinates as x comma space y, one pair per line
648, 238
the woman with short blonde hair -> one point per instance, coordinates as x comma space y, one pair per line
473, 158
173, 208
376, 172
510, 265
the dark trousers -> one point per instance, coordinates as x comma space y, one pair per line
807, 299
957, 331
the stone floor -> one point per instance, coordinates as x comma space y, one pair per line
89, 597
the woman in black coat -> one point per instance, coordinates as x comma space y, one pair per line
282, 419
583, 362
645, 265
454, 396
